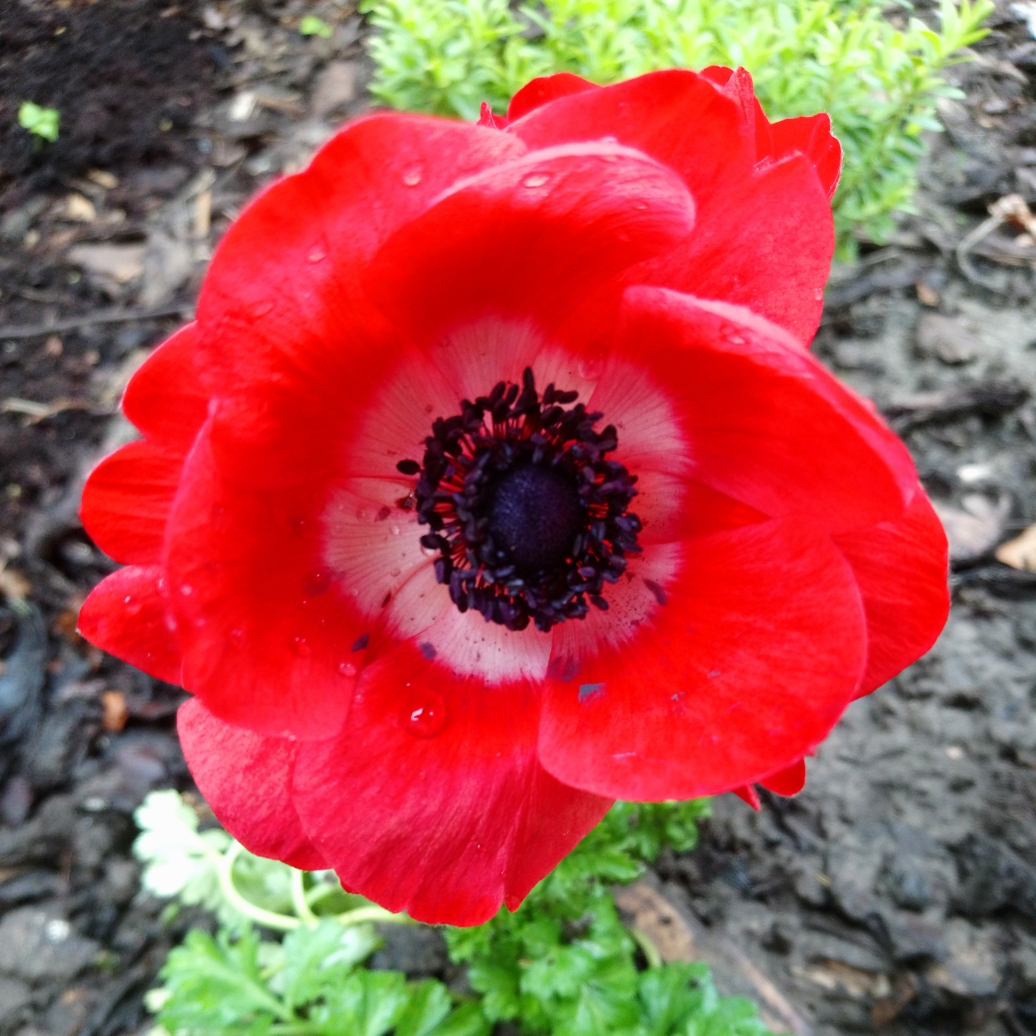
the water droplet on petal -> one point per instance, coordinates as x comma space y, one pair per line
237, 637
591, 367
186, 589
170, 623
259, 308
301, 647
425, 716
536, 179
316, 582
347, 669
395, 530
412, 176
318, 255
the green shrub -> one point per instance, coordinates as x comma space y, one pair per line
878, 77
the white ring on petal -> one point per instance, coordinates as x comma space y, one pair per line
632, 603
372, 544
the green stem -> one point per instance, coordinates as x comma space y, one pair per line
370, 913
267, 918
298, 898
651, 954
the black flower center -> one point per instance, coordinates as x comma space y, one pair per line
535, 515
529, 517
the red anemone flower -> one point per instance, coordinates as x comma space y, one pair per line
494, 481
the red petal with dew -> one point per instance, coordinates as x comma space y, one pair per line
737, 676
764, 422
266, 629
902, 569
126, 615
282, 292
448, 825
246, 779
563, 221
764, 235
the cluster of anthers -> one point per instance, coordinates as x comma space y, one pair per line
529, 517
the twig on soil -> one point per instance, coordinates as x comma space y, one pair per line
1009, 209
99, 316
988, 399
843, 295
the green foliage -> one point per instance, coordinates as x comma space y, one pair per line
562, 964
311, 25
877, 77
43, 122
309, 985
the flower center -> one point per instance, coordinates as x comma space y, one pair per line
529, 517
534, 516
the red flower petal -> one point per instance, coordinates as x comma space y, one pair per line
282, 289
127, 497
564, 220
765, 423
738, 675
541, 91
246, 779
432, 800
165, 398
901, 568
787, 782
778, 273
763, 238
811, 136
126, 501
126, 615
652, 113
265, 629
808, 135
748, 794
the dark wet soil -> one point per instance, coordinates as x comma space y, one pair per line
896, 894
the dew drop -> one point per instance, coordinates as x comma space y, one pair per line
186, 589
347, 669
301, 647
170, 624
412, 176
591, 368
536, 179
425, 716
259, 308
237, 637
395, 530
318, 255
316, 582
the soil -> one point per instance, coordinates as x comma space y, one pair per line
897, 893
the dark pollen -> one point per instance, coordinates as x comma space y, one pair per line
528, 516
534, 517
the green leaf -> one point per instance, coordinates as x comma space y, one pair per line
311, 25
43, 122
320, 956
216, 986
